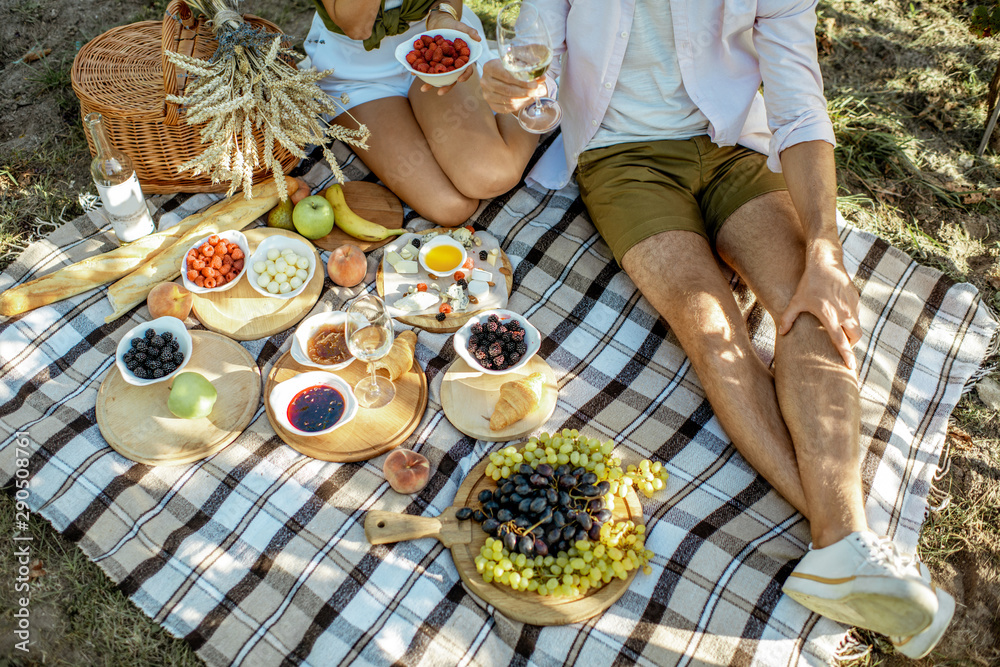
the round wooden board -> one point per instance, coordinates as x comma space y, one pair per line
468, 397
372, 202
466, 539
137, 424
454, 321
371, 432
244, 314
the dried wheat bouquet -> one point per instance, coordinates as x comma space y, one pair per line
249, 84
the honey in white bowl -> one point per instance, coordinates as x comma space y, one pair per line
443, 258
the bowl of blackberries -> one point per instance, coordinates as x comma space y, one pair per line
497, 341
154, 351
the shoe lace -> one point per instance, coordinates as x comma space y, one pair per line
885, 552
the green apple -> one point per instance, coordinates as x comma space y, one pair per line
281, 216
191, 396
313, 217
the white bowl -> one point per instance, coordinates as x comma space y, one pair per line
280, 242
305, 331
447, 78
531, 338
160, 325
284, 392
435, 242
231, 236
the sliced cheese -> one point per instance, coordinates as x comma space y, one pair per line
492, 257
392, 258
406, 266
478, 288
479, 274
408, 251
416, 302
459, 300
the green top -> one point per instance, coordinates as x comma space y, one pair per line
388, 22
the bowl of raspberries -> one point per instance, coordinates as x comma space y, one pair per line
154, 351
497, 341
439, 57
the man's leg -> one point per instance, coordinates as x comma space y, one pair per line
816, 394
678, 274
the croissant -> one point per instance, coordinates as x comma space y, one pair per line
517, 399
400, 356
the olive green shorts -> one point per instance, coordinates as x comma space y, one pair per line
636, 190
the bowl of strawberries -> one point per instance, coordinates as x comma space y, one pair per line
439, 57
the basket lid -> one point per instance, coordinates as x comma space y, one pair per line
122, 69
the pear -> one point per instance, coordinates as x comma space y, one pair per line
281, 216
192, 396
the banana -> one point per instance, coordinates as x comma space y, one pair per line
352, 223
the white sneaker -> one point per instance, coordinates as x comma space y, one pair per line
918, 645
863, 580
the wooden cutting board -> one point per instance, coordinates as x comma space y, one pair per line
137, 424
371, 432
466, 538
468, 397
372, 202
454, 321
244, 314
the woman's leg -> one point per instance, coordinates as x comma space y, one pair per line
400, 156
482, 154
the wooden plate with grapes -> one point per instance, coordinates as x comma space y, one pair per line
467, 538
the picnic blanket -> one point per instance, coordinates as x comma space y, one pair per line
257, 555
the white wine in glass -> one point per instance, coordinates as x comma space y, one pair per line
369, 338
526, 52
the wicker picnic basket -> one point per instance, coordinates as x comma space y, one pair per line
125, 75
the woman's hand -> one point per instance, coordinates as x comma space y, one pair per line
504, 93
442, 21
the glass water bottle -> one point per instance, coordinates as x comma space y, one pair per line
118, 185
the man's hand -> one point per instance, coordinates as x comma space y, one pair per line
444, 22
826, 292
504, 93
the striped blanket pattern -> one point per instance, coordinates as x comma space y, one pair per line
257, 555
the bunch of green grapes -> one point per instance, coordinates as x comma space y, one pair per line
611, 549
585, 566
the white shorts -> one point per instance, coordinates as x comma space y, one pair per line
369, 75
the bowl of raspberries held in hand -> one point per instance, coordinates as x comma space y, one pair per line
439, 57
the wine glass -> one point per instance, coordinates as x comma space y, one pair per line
526, 52
369, 337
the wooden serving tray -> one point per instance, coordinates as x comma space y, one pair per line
466, 538
137, 424
371, 432
454, 321
468, 397
372, 202
244, 314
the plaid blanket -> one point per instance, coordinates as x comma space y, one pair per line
257, 555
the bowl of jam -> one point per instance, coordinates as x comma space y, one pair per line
313, 403
320, 342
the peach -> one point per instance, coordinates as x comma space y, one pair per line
347, 266
169, 299
300, 193
406, 471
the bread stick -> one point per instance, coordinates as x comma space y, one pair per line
232, 213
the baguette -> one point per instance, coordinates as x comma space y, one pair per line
92, 272
229, 214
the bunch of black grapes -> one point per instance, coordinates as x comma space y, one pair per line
544, 510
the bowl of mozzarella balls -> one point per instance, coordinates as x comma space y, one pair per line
281, 267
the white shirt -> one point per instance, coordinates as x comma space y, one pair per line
725, 48
650, 71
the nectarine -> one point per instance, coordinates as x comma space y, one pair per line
347, 266
406, 471
169, 299
301, 193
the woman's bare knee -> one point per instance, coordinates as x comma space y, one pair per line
486, 183
450, 211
